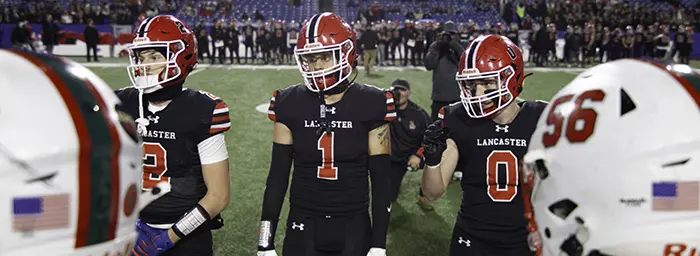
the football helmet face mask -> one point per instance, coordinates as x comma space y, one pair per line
610, 167
327, 38
171, 38
491, 58
53, 178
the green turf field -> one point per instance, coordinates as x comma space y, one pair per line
412, 231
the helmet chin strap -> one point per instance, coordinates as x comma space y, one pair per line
163, 94
141, 122
324, 125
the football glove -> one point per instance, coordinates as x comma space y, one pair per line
435, 142
151, 241
267, 253
376, 252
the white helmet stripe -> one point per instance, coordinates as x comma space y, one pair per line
311, 29
144, 27
473, 50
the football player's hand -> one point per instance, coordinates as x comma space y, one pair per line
435, 142
376, 252
151, 241
267, 253
414, 162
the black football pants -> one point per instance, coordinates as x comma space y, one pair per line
463, 244
312, 235
197, 243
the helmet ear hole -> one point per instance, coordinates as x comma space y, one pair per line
563, 208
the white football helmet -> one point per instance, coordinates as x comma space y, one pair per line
70, 165
614, 163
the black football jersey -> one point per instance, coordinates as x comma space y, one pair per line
170, 148
489, 158
330, 169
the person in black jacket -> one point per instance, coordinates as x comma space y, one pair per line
443, 58
20, 36
92, 38
233, 42
218, 36
368, 44
249, 32
406, 135
202, 35
50, 33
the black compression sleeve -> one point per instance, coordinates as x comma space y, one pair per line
379, 167
276, 188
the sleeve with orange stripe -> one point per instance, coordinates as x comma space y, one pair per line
271, 114
390, 107
220, 121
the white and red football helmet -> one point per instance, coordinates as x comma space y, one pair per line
326, 32
171, 37
71, 163
613, 167
490, 57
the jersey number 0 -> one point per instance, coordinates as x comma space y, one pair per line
497, 190
326, 144
155, 164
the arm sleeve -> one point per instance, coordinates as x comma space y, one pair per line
385, 111
273, 112
275, 190
220, 121
379, 167
213, 149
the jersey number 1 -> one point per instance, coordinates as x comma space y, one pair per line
502, 192
155, 164
327, 171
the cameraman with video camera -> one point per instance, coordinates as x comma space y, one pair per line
443, 58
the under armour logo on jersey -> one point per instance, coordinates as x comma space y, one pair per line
466, 243
332, 110
300, 226
501, 128
154, 119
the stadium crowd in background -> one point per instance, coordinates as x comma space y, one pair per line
595, 31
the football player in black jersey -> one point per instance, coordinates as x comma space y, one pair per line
334, 131
485, 136
183, 141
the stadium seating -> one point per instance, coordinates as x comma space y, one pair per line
281, 10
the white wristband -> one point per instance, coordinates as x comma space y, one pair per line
433, 166
191, 221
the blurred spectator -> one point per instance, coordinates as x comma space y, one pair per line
92, 38
442, 59
368, 45
50, 33
20, 36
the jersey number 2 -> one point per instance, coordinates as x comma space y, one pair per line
502, 192
155, 164
327, 171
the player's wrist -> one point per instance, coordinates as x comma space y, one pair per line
432, 161
190, 221
432, 166
266, 241
174, 238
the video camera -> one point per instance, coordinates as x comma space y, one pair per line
446, 36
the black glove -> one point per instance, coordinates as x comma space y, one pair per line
456, 46
435, 142
436, 46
